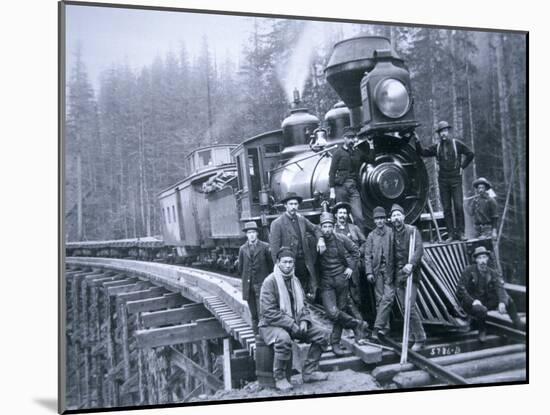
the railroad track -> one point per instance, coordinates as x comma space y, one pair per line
145, 333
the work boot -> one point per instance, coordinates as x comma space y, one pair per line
418, 345
449, 239
461, 237
337, 349
361, 330
279, 375
310, 371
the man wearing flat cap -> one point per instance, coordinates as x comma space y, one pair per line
296, 232
483, 210
342, 226
255, 263
379, 268
344, 175
405, 266
481, 288
452, 156
284, 316
337, 263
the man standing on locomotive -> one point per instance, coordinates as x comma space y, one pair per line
284, 316
379, 269
337, 264
483, 209
255, 263
448, 153
404, 266
481, 288
352, 231
344, 174
294, 231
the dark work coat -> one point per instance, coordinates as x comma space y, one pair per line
345, 164
418, 251
271, 314
373, 252
452, 156
490, 293
353, 232
282, 234
483, 210
254, 268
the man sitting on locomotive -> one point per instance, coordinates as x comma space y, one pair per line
255, 264
294, 231
343, 226
337, 264
481, 288
483, 210
343, 176
452, 156
284, 316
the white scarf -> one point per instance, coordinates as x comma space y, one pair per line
284, 298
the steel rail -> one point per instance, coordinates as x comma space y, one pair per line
437, 371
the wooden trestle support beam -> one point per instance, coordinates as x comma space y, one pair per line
131, 342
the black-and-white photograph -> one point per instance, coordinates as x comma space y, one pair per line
266, 207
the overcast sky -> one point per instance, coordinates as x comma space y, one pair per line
111, 35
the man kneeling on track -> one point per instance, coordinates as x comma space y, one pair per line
284, 316
481, 288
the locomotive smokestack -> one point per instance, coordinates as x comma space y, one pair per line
296, 101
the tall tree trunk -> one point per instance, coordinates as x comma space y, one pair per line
79, 222
504, 108
435, 118
471, 118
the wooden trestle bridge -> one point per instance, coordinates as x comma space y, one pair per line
145, 333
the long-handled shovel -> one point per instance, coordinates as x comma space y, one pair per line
408, 305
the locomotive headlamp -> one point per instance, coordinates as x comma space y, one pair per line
392, 98
386, 97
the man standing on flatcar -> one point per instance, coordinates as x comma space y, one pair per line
343, 226
379, 269
405, 266
284, 316
337, 264
344, 175
255, 263
295, 231
449, 154
483, 210
481, 288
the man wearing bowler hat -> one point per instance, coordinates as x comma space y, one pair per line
255, 263
483, 210
405, 266
379, 268
452, 156
342, 226
296, 232
481, 288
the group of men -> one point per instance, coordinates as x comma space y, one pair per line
303, 262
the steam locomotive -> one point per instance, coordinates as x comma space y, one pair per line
227, 185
